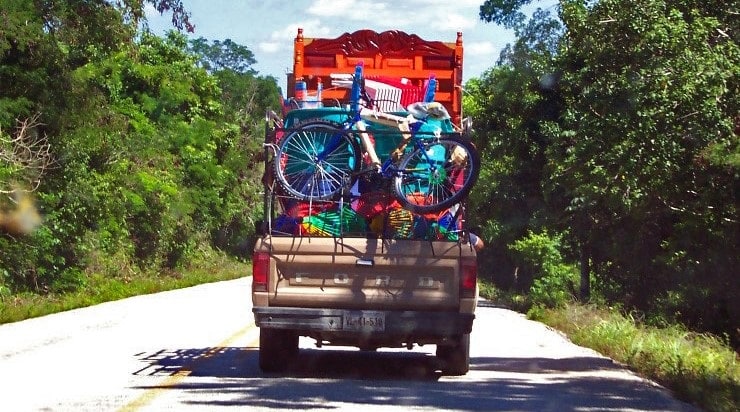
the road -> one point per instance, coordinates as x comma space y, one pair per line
196, 349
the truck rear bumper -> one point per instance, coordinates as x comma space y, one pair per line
395, 323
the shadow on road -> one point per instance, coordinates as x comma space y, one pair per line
230, 362
545, 365
330, 379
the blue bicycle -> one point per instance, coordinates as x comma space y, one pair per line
428, 171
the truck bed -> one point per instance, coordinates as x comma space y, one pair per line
365, 273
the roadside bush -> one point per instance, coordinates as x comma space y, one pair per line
554, 281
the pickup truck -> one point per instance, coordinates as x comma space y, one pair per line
361, 271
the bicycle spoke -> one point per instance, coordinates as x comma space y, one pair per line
315, 162
436, 177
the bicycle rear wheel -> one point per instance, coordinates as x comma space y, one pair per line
316, 161
437, 175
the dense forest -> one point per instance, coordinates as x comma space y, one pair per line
139, 150
609, 135
610, 138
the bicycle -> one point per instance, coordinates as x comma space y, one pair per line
428, 172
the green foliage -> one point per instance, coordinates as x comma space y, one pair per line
227, 55
649, 91
554, 281
154, 156
698, 368
509, 104
504, 12
180, 16
102, 286
620, 130
507, 299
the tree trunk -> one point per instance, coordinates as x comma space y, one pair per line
585, 273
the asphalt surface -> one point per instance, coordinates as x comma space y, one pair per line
196, 349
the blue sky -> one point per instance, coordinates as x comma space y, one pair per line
268, 27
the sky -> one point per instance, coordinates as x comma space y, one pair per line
268, 27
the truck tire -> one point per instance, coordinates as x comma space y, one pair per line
277, 348
455, 358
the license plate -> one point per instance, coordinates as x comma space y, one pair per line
364, 321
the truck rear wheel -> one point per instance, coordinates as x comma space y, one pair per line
277, 348
455, 358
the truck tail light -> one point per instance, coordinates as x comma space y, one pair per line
260, 271
468, 278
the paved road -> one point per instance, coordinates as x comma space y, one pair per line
196, 349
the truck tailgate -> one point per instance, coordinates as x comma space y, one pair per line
351, 273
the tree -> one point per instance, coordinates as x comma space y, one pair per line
134, 10
245, 97
150, 163
640, 164
225, 55
650, 91
506, 12
510, 102
26, 157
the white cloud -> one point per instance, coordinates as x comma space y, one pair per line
479, 48
150, 12
269, 46
447, 3
284, 37
350, 15
434, 15
331, 8
429, 18
269, 27
454, 21
358, 10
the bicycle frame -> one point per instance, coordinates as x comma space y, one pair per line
408, 127
357, 122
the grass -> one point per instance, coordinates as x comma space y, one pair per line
700, 369
513, 301
98, 288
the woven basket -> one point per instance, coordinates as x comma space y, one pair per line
447, 226
372, 204
396, 224
400, 224
285, 225
333, 223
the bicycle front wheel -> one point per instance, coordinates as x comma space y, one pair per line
436, 175
316, 162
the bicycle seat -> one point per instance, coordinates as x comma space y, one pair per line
423, 110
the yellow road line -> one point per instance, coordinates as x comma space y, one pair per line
147, 397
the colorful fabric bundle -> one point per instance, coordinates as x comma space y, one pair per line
333, 223
285, 225
372, 204
299, 209
447, 226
